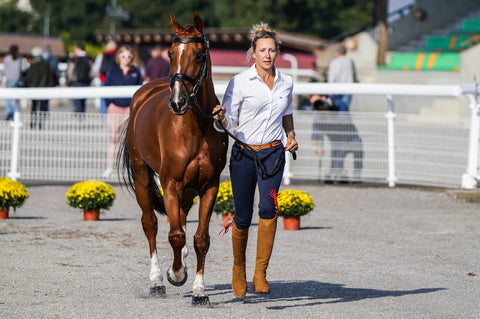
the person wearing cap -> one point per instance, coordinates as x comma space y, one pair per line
53, 62
39, 74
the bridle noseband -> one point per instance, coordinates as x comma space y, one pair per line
202, 75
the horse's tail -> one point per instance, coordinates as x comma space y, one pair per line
123, 161
156, 195
124, 165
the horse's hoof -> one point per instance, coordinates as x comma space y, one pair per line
177, 283
157, 291
200, 301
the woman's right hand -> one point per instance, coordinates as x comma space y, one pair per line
221, 112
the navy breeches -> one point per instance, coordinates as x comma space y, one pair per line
245, 178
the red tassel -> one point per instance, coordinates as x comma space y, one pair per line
273, 194
225, 228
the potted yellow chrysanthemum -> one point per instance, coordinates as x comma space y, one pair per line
12, 194
224, 204
91, 196
291, 205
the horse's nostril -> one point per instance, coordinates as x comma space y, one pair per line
182, 101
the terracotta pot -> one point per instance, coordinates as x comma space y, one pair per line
91, 215
291, 222
4, 212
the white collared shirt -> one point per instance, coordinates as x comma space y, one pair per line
257, 110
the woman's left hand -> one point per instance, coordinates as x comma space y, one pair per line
292, 145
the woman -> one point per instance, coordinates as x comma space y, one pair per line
259, 100
121, 73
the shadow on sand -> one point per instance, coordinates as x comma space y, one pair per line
288, 294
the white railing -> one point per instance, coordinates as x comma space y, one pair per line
391, 153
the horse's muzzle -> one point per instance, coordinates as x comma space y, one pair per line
179, 107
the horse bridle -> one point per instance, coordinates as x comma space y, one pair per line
202, 75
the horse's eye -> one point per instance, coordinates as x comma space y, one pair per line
169, 55
198, 56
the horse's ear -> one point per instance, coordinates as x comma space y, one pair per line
175, 25
197, 22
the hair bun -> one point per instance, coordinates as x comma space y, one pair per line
258, 28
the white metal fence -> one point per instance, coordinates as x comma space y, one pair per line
397, 148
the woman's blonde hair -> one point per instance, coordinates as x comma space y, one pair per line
120, 51
262, 31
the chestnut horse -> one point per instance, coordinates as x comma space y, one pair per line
170, 132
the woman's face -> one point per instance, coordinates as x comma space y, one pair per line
265, 53
125, 58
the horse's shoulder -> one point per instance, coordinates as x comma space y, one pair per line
151, 89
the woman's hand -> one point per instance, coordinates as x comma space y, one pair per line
221, 113
292, 145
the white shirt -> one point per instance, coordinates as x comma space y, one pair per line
11, 67
257, 110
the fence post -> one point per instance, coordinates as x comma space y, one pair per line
469, 179
16, 124
391, 178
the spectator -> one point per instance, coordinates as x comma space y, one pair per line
39, 75
158, 66
338, 128
13, 66
342, 70
80, 70
103, 62
121, 73
53, 62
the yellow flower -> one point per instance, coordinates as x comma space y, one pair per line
224, 200
294, 203
12, 193
90, 194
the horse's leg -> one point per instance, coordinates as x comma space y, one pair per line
202, 244
177, 273
143, 177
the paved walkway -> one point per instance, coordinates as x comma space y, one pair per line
364, 252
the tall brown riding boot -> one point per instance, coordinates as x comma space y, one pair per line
239, 244
265, 239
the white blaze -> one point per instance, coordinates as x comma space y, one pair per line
179, 70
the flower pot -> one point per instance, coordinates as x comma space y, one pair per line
91, 215
291, 222
4, 212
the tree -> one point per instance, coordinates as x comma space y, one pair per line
14, 20
80, 19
